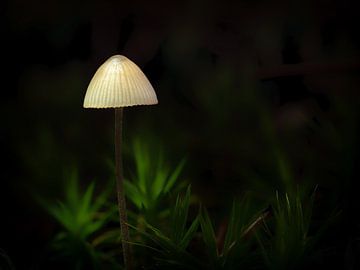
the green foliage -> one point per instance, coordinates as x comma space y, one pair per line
153, 179
82, 217
88, 239
171, 245
180, 236
234, 252
209, 237
287, 240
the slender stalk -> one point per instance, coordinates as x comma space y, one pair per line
125, 238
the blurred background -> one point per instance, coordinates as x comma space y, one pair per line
254, 94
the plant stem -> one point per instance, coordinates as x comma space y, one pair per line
125, 238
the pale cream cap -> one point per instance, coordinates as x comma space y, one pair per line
119, 82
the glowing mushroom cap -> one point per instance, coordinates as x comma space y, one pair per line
119, 82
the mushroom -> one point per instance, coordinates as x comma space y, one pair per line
116, 84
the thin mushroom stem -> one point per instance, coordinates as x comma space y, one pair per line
125, 237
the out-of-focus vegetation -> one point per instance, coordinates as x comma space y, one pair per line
257, 234
83, 240
152, 182
169, 242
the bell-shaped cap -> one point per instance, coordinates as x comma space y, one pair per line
119, 82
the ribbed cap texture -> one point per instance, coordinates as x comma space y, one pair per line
119, 82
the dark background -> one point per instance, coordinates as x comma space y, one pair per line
252, 92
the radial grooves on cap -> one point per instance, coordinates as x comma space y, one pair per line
117, 89
134, 81
114, 89
127, 90
119, 83
104, 84
142, 89
130, 80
